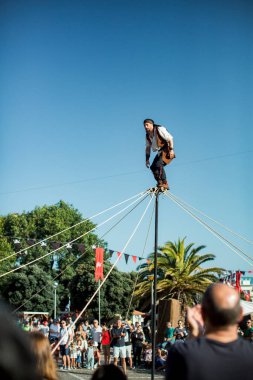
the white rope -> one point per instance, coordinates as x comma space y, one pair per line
72, 241
215, 233
108, 274
69, 265
75, 225
213, 220
138, 273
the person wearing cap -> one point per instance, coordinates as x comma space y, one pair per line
161, 141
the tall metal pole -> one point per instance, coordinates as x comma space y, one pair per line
99, 316
55, 302
154, 290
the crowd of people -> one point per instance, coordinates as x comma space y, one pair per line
210, 346
82, 345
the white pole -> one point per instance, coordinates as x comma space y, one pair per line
55, 302
99, 317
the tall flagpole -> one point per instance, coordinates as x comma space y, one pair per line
99, 316
154, 289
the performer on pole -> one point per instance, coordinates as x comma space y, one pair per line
161, 141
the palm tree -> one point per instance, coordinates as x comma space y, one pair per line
180, 274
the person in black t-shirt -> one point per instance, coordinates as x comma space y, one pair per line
180, 332
118, 343
220, 353
137, 340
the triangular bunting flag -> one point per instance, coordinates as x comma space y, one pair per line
141, 258
31, 241
119, 254
134, 258
111, 252
126, 257
81, 248
55, 244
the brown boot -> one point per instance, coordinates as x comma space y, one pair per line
160, 184
165, 185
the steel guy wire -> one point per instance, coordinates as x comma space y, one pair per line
70, 242
109, 272
75, 225
215, 233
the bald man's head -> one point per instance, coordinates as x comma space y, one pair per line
221, 305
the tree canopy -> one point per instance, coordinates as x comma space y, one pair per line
180, 274
72, 267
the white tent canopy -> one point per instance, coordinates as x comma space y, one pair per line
247, 307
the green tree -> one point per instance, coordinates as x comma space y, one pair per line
74, 280
180, 274
22, 286
114, 294
40, 224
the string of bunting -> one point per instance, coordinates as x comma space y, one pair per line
80, 247
127, 255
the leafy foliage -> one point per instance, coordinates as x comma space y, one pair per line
180, 274
74, 280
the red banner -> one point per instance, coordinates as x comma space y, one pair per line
99, 264
238, 275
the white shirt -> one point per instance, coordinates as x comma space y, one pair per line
64, 335
96, 335
163, 133
54, 330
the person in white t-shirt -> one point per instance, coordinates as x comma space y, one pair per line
65, 338
96, 333
54, 331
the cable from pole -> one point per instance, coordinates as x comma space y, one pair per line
213, 220
75, 225
215, 233
70, 242
123, 217
138, 272
78, 258
108, 274
222, 237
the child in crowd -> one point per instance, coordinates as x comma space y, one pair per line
160, 359
148, 356
90, 355
73, 355
79, 353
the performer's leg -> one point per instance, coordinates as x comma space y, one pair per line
157, 168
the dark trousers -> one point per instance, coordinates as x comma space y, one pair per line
137, 355
157, 168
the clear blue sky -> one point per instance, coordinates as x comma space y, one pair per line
77, 80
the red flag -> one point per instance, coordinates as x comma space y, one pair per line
99, 264
238, 281
134, 258
119, 255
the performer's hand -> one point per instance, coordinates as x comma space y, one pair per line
148, 164
172, 154
195, 320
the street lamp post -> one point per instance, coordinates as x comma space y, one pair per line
55, 288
